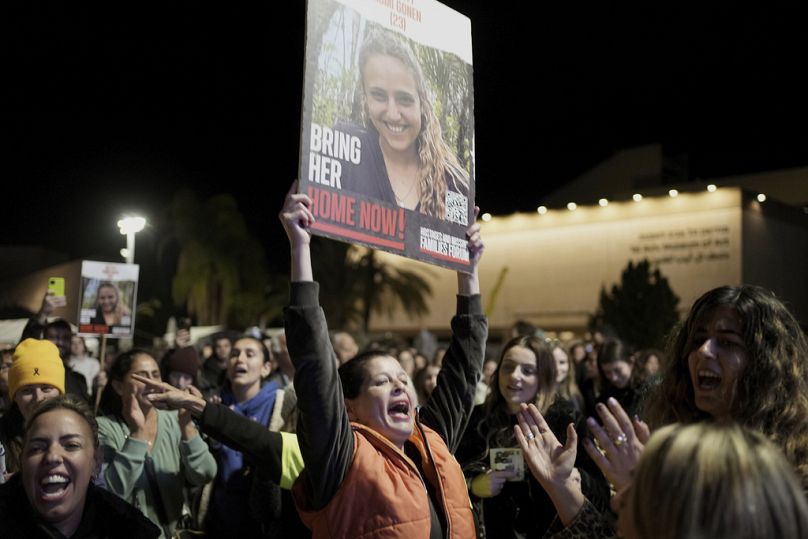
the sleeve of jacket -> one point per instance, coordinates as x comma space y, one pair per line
323, 430
449, 408
471, 453
589, 523
276, 454
124, 457
198, 463
33, 329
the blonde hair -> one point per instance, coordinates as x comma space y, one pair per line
568, 389
120, 309
712, 480
438, 166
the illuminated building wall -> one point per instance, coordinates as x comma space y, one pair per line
556, 263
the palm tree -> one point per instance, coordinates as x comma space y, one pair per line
221, 275
354, 284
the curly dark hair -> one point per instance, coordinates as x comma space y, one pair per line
771, 394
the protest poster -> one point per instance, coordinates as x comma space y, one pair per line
107, 298
387, 135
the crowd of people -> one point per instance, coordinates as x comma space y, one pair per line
309, 433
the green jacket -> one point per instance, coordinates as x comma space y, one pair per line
175, 461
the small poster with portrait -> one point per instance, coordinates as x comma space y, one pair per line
508, 459
107, 298
387, 135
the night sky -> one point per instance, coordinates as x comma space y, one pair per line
111, 106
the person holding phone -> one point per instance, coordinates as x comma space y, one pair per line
60, 333
509, 505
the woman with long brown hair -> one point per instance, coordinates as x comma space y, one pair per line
739, 357
405, 159
509, 504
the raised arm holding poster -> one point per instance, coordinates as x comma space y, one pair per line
387, 147
108, 293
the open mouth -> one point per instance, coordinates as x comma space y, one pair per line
395, 128
400, 410
240, 369
708, 380
53, 486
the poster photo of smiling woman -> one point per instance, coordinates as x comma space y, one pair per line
108, 294
388, 125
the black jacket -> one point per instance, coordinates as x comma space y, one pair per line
105, 516
275, 505
523, 508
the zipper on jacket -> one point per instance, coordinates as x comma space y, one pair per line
437, 474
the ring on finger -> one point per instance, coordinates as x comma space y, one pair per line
529, 436
620, 439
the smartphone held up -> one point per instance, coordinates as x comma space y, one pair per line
56, 289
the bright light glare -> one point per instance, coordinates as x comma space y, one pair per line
712, 188
486, 217
542, 210
637, 197
603, 202
673, 193
131, 224
761, 197
572, 206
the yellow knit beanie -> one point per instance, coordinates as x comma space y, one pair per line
36, 362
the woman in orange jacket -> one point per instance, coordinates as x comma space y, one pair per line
376, 465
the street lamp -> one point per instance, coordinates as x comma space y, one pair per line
129, 226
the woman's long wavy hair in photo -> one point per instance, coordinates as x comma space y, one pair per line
438, 164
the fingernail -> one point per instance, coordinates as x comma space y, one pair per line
637, 418
591, 422
612, 401
600, 406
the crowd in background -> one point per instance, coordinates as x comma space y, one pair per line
528, 437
